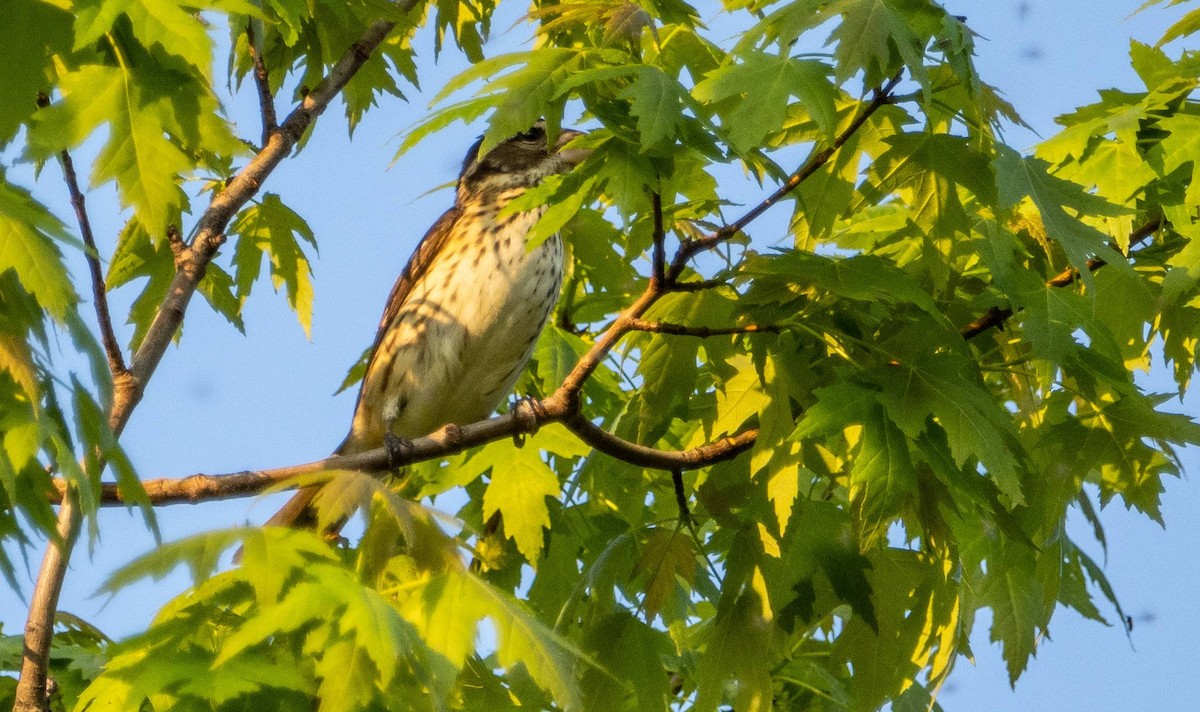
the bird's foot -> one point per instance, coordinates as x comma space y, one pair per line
529, 413
398, 449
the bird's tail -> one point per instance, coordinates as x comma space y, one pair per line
299, 512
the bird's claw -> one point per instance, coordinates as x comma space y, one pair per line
529, 413
398, 449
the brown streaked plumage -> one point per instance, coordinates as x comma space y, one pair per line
462, 318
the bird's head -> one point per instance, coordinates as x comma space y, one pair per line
519, 162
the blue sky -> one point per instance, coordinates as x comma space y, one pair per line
223, 402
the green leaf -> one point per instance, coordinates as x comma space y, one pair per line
518, 490
379, 631
950, 389
738, 648
767, 82
97, 437
347, 677
17, 359
876, 37
837, 406
165, 23
269, 227
217, 290
910, 155
33, 31
656, 102
138, 155
1020, 177
305, 602
522, 639
27, 232
1014, 591
882, 478
633, 653
918, 607
1181, 147
667, 555
739, 399
1186, 25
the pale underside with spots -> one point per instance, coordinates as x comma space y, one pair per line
467, 328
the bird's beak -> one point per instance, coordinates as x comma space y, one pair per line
570, 156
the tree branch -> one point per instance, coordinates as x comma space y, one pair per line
31, 694
881, 96
266, 100
995, 317
191, 264
698, 286
659, 327
108, 338
717, 451
446, 441
659, 256
224, 205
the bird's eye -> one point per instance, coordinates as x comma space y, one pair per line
537, 133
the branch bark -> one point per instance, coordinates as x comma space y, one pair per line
108, 338
446, 441
262, 82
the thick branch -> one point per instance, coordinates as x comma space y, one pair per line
31, 694
447, 441
996, 316
643, 456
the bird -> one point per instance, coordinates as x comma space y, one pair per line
462, 319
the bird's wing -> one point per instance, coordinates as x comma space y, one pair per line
413, 272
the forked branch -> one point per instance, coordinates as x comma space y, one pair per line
191, 263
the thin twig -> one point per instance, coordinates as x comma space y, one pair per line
262, 80
660, 327
717, 451
995, 317
108, 338
659, 256
685, 514
698, 286
880, 97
